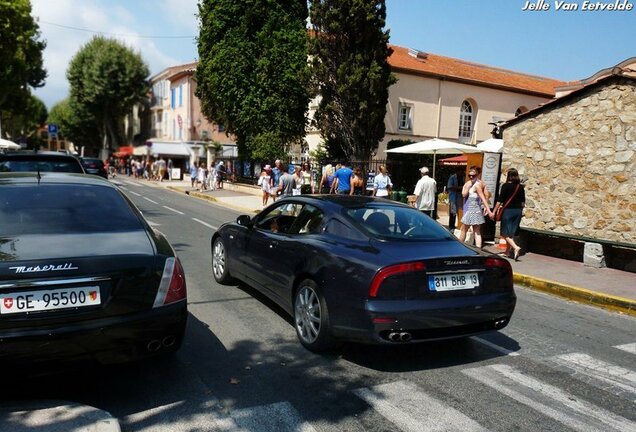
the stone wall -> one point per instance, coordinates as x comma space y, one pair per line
579, 157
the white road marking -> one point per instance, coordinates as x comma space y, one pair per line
135, 193
549, 400
148, 199
412, 410
204, 223
151, 223
174, 210
495, 347
600, 370
630, 348
277, 417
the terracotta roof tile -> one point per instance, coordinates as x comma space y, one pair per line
465, 71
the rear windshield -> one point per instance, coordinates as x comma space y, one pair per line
396, 223
66, 165
64, 209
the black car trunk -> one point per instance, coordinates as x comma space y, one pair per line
119, 272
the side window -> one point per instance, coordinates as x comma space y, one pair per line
281, 218
309, 221
338, 229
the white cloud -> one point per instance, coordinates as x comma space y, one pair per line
182, 13
63, 43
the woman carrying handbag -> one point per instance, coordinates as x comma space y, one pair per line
509, 207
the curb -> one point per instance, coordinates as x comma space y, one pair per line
56, 416
580, 295
203, 196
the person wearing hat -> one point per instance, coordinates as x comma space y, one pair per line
425, 193
266, 181
220, 175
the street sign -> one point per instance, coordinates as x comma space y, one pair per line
53, 129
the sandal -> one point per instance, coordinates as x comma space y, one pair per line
517, 252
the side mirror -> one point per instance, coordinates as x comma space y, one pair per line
243, 220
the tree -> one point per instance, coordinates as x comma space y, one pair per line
106, 79
253, 75
75, 125
20, 51
26, 115
351, 74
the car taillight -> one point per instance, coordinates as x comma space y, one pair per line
499, 264
172, 287
393, 270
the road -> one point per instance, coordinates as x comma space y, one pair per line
557, 366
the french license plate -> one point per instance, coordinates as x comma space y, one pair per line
45, 300
453, 281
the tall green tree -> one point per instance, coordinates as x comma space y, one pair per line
25, 117
75, 125
351, 74
106, 79
253, 75
21, 64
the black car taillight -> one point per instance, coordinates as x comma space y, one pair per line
172, 287
501, 266
391, 278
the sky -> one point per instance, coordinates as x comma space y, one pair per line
566, 45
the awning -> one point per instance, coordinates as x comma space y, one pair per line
163, 148
124, 151
460, 160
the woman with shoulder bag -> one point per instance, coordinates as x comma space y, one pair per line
512, 199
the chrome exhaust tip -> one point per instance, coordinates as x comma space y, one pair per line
153, 346
168, 341
405, 336
394, 337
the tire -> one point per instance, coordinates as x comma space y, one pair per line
311, 318
219, 262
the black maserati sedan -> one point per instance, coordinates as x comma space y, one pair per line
355, 268
82, 274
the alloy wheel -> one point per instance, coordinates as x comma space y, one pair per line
308, 314
218, 260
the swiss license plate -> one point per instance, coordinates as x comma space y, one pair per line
33, 301
453, 281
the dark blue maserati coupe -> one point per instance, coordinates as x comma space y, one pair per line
355, 268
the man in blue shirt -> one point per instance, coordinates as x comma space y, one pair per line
277, 172
454, 188
343, 179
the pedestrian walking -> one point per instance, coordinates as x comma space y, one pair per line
201, 176
382, 183
475, 205
220, 174
425, 190
357, 182
508, 209
170, 166
343, 179
305, 173
326, 182
286, 184
162, 168
454, 188
265, 181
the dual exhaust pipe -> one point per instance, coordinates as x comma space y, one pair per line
156, 344
400, 336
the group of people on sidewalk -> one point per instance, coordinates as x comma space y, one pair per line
208, 177
343, 180
473, 198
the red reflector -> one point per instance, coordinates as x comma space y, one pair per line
177, 287
497, 262
383, 320
391, 271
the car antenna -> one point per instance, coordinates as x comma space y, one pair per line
39, 176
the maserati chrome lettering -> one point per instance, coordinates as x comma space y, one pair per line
456, 262
46, 268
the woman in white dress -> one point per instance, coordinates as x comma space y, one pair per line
475, 205
265, 181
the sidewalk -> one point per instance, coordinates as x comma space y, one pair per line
606, 288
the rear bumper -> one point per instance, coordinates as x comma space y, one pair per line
427, 320
113, 340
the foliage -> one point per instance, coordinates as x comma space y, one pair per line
20, 52
106, 79
320, 153
252, 74
75, 125
26, 115
351, 74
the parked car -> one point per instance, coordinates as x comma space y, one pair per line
94, 166
364, 269
82, 274
46, 161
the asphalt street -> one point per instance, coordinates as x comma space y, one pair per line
557, 366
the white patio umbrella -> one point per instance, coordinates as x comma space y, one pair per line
491, 145
434, 146
8, 145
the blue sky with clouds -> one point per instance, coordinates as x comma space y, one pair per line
557, 44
